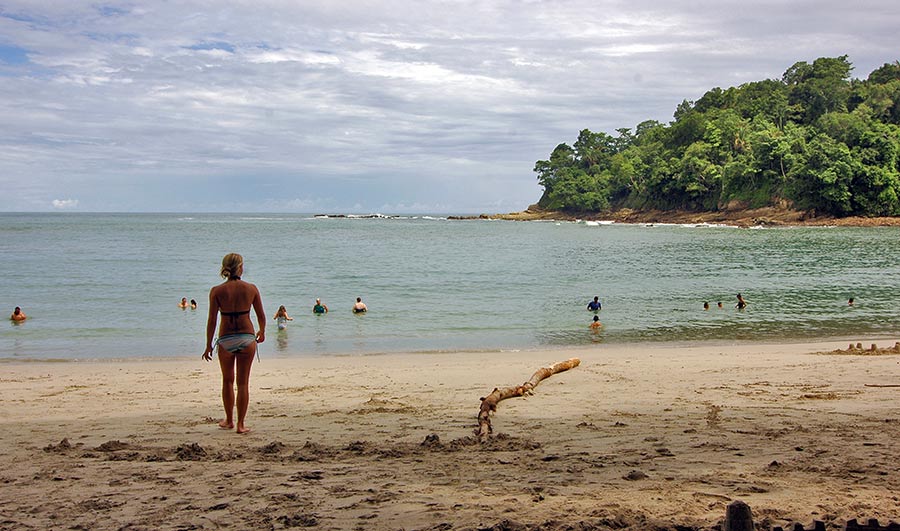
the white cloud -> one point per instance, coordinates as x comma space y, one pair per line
288, 56
65, 204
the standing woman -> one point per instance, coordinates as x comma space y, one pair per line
236, 344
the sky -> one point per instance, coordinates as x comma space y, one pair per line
381, 106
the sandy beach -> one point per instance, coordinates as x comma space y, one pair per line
636, 437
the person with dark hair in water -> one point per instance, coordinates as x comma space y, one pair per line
741, 303
18, 315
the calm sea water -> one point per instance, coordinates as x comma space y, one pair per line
107, 285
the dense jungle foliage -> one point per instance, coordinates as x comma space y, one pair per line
817, 139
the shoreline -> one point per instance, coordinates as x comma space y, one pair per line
636, 437
835, 342
766, 217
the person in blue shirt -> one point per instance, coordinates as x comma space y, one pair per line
594, 305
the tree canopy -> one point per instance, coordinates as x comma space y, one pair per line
816, 138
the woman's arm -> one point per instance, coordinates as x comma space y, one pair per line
211, 324
260, 315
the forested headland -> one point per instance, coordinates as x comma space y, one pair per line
816, 141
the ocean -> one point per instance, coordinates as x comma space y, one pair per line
106, 286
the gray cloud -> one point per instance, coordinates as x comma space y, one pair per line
366, 105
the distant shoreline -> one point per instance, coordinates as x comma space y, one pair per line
768, 216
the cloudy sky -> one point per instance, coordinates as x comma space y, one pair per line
388, 106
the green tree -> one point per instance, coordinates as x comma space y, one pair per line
577, 190
548, 170
819, 88
886, 73
822, 182
594, 149
698, 176
768, 98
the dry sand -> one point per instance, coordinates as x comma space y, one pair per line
636, 437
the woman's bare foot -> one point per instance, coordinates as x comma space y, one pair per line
225, 425
242, 430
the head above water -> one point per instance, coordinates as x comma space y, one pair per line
596, 318
358, 299
232, 266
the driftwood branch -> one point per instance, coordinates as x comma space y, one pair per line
489, 403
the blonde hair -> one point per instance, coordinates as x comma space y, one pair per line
230, 265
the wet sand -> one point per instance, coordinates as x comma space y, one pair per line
636, 437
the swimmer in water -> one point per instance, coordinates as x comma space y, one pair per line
741, 303
360, 306
282, 317
595, 324
18, 315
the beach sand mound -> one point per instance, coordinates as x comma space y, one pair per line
873, 350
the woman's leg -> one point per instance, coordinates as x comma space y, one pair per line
244, 362
226, 362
